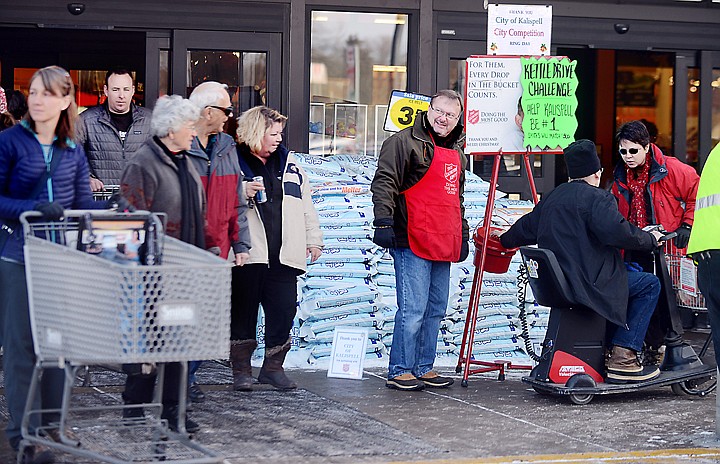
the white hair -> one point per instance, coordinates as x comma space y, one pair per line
171, 113
208, 93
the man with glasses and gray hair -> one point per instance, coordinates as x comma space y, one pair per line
419, 216
214, 156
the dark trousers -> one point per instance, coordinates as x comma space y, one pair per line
19, 355
708, 279
139, 388
275, 287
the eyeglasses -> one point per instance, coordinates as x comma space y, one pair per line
228, 111
444, 113
632, 151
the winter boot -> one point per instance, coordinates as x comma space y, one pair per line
272, 371
623, 366
240, 353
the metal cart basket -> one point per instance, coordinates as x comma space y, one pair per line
87, 310
683, 273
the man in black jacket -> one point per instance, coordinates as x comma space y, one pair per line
581, 224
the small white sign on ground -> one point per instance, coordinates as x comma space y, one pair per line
348, 353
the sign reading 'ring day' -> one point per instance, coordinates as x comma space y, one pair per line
403, 108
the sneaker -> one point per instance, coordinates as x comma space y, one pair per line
432, 379
195, 393
407, 382
36, 454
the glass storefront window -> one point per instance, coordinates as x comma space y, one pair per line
245, 74
693, 105
715, 133
356, 59
88, 86
644, 90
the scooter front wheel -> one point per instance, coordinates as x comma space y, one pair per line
697, 387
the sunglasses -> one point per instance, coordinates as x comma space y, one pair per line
228, 111
632, 151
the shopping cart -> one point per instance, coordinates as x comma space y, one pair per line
87, 310
683, 274
106, 192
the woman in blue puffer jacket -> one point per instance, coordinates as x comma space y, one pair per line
26, 153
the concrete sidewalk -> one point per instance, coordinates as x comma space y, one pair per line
362, 421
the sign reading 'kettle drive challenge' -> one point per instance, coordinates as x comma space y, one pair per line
515, 105
549, 101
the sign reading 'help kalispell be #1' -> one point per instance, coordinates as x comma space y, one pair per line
403, 108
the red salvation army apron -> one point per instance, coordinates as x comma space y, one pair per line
433, 206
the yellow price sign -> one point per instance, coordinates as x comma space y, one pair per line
403, 108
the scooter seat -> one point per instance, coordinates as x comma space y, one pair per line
547, 279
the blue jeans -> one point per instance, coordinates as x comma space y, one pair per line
193, 366
422, 297
19, 357
643, 293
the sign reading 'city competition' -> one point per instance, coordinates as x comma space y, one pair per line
519, 29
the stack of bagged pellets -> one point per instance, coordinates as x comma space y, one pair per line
353, 283
338, 289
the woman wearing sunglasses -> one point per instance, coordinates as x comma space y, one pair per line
652, 188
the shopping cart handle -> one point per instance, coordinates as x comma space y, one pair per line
667, 237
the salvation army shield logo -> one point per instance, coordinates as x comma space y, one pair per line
451, 172
473, 116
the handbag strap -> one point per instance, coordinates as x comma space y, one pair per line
46, 175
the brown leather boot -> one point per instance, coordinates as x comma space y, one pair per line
240, 353
623, 366
272, 371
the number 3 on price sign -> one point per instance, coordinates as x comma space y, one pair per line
403, 108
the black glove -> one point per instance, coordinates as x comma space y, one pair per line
384, 237
119, 203
464, 251
683, 236
51, 210
384, 233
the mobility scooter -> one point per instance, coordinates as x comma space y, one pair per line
572, 362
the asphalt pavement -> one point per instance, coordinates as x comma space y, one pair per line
330, 420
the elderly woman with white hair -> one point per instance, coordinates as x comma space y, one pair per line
160, 178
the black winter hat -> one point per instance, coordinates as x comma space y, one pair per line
581, 159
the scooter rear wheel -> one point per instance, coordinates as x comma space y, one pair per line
580, 380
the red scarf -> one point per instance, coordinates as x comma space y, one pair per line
637, 180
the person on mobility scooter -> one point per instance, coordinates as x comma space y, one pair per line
580, 223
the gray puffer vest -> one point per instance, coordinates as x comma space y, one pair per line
107, 154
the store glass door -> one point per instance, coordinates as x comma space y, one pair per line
249, 63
